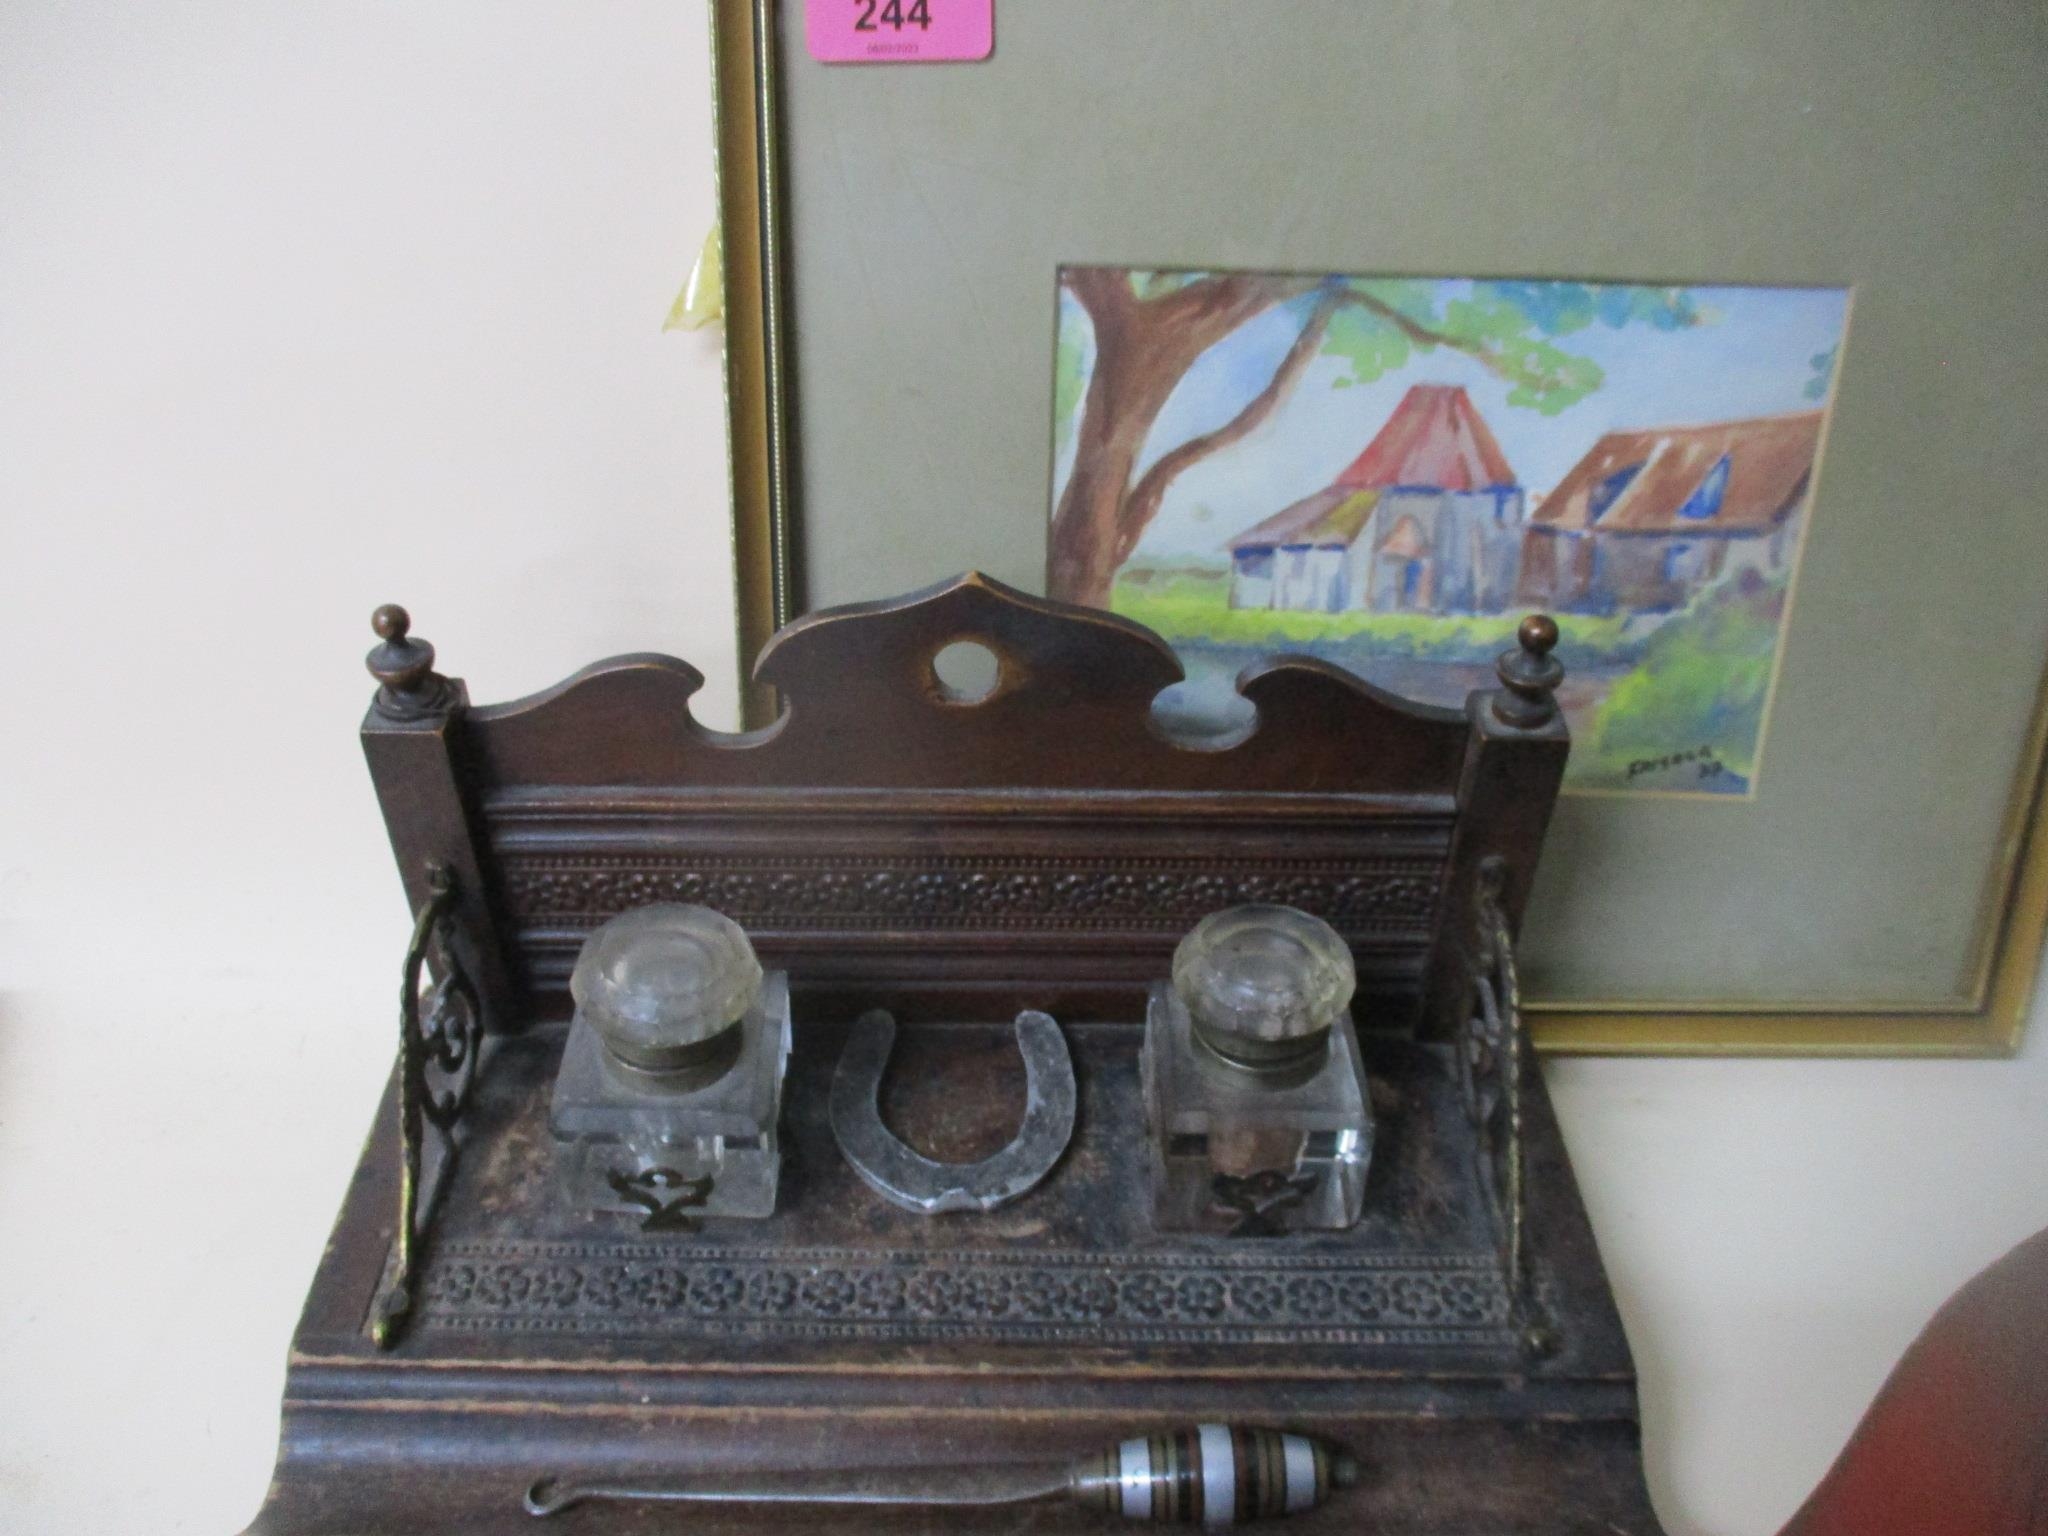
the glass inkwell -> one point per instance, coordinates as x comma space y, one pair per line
1255, 1097
670, 1087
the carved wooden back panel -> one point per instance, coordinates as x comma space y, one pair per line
889, 841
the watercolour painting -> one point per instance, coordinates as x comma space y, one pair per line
1387, 472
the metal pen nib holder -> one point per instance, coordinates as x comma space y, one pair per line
1255, 1097
667, 1102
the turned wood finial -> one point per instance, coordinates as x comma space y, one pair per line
1529, 676
403, 666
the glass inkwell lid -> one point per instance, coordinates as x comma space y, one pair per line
671, 1080
1254, 1089
1263, 985
667, 989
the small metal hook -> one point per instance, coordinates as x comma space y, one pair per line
548, 1497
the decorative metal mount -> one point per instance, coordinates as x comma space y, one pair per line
1492, 1056
440, 1036
1258, 1199
650, 1189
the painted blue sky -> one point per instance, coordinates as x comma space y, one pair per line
1754, 359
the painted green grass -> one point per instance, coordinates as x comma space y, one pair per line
1700, 687
1186, 605
1693, 692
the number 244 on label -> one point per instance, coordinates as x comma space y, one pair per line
893, 15
899, 31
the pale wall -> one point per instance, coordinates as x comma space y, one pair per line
306, 307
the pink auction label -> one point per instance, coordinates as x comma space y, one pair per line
899, 31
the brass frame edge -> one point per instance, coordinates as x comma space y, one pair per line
1991, 1025
1676, 1033
746, 109
745, 128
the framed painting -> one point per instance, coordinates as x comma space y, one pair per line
1375, 471
1360, 330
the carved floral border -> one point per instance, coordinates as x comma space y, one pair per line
645, 1289
1381, 896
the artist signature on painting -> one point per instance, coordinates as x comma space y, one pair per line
1706, 760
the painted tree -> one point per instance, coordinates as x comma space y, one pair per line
1150, 328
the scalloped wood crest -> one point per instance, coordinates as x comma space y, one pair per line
1071, 708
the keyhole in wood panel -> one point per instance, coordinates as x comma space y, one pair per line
967, 672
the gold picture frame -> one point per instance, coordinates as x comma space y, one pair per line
1987, 1018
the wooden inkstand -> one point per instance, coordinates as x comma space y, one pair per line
470, 1342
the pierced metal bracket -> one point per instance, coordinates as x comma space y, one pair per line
1493, 1055
440, 1036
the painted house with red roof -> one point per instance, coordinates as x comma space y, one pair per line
1428, 519
1647, 518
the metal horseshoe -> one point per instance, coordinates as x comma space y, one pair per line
918, 1183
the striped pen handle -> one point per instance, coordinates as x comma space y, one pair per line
1213, 1475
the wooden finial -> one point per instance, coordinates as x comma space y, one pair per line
404, 667
1529, 676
